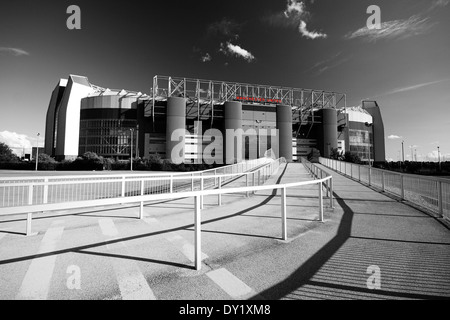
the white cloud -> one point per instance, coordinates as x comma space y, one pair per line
296, 15
19, 142
332, 62
309, 34
417, 86
14, 51
396, 29
298, 7
393, 137
236, 51
433, 156
439, 3
410, 88
207, 57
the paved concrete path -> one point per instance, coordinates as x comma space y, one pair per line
116, 256
369, 230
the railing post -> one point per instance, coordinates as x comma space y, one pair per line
219, 196
141, 205
197, 231
171, 184
45, 200
440, 200
351, 170
370, 176
320, 202
402, 188
123, 186
201, 188
359, 173
283, 214
29, 214
215, 178
246, 184
331, 193
253, 181
382, 181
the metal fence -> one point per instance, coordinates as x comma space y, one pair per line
258, 177
19, 191
317, 173
431, 193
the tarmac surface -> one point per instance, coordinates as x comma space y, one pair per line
370, 246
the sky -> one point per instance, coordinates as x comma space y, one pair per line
319, 44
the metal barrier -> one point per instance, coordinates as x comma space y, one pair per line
263, 173
317, 173
88, 190
19, 191
431, 193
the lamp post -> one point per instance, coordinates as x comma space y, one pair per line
137, 142
403, 152
131, 149
439, 158
37, 150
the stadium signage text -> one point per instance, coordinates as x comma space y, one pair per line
257, 99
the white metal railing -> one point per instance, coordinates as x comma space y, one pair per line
431, 193
265, 172
259, 171
19, 191
318, 173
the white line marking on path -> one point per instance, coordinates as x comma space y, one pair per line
108, 227
187, 248
131, 281
36, 282
229, 283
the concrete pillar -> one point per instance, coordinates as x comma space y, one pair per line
284, 126
175, 119
233, 143
329, 131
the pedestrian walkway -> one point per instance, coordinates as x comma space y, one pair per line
107, 253
370, 235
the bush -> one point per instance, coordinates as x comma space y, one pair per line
17, 165
88, 161
45, 162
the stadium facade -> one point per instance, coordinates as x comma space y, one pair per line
291, 122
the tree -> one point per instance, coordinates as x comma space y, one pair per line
6, 154
351, 157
